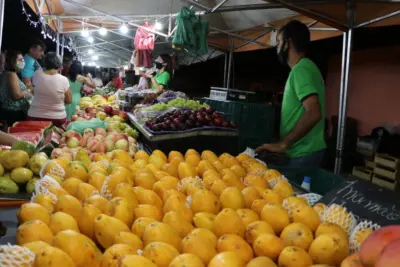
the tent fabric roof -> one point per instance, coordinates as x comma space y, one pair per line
248, 29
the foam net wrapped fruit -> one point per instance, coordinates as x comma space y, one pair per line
194, 208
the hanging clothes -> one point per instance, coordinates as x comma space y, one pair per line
144, 39
144, 58
191, 32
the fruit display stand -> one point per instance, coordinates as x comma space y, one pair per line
217, 140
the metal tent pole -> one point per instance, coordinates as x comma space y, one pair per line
1, 21
62, 47
339, 152
346, 57
58, 44
229, 77
226, 69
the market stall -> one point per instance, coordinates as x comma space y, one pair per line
99, 196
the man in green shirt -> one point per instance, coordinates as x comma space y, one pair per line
303, 106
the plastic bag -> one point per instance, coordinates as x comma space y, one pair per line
80, 126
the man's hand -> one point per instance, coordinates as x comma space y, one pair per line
276, 148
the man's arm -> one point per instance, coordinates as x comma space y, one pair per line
310, 118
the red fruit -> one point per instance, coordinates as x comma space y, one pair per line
115, 112
218, 121
225, 124
373, 246
108, 110
74, 117
209, 111
123, 115
390, 256
177, 121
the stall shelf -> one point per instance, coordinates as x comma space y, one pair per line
217, 140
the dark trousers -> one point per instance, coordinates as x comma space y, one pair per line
12, 116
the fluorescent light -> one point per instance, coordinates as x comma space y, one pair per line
97, 67
95, 57
159, 26
90, 51
91, 64
90, 39
103, 31
85, 33
123, 29
83, 63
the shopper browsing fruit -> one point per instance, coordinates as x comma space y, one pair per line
76, 81
303, 106
51, 93
13, 93
160, 81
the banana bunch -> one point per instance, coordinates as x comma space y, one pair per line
86, 102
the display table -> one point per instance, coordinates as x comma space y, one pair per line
8, 225
219, 141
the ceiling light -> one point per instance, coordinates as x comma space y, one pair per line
102, 31
97, 67
95, 57
83, 63
123, 29
90, 39
85, 33
90, 51
159, 26
91, 64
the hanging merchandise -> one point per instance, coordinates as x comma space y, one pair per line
191, 32
144, 58
144, 39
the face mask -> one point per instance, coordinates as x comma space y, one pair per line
283, 53
159, 65
20, 65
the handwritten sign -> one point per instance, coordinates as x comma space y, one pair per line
366, 201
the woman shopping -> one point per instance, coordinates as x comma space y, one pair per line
76, 81
13, 93
52, 92
160, 81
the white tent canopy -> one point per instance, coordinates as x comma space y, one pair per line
67, 17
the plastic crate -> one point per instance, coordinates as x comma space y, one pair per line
322, 181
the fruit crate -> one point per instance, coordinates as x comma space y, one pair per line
322, 181
256, 122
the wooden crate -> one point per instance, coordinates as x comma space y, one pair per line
388, 173
363, 173
387, 161
385, 183
370, 164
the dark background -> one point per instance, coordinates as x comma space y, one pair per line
257, 67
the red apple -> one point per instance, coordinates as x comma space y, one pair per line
115, 112
123, 115
74, 117
108, 110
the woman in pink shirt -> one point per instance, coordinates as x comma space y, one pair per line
52, 92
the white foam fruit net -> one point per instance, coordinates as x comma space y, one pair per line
275, 181
105, 192
16, 256
42, 187
339, 215
105, 162
311, 198
321, 211
362, 229
56, 170
252, 153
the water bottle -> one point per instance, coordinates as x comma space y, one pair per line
306, 183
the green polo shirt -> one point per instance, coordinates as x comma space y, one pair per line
162, 79
304, 80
